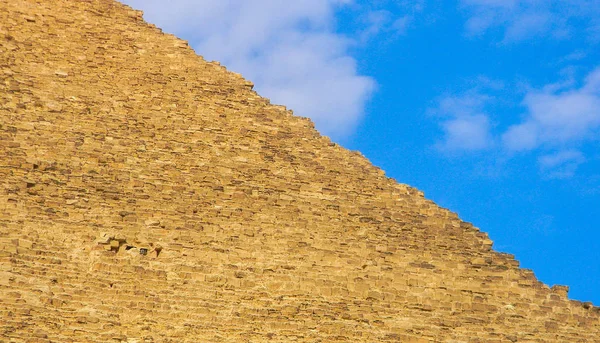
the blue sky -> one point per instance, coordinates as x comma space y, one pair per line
491, 107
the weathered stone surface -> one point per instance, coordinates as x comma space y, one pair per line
147, 195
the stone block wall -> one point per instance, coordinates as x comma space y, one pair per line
147, 195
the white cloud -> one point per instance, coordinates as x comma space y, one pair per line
521, 137
383, 21
558, 118
560, 158
467, 133
386, 19
289, 49
526, 19
466, 125
559, 121
561, 164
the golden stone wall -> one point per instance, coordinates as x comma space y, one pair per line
147, 195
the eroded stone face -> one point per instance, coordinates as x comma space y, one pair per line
149, 196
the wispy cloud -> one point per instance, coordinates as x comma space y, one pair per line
289, 49
559, 120
387, 19
562, 164
467, 133
525, 19
465, 122
377, 22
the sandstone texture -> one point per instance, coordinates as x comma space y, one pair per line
147, 195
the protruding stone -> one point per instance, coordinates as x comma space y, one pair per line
61, 73
561, 290
104, 238
152, 222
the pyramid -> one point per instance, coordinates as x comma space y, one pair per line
147, 195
